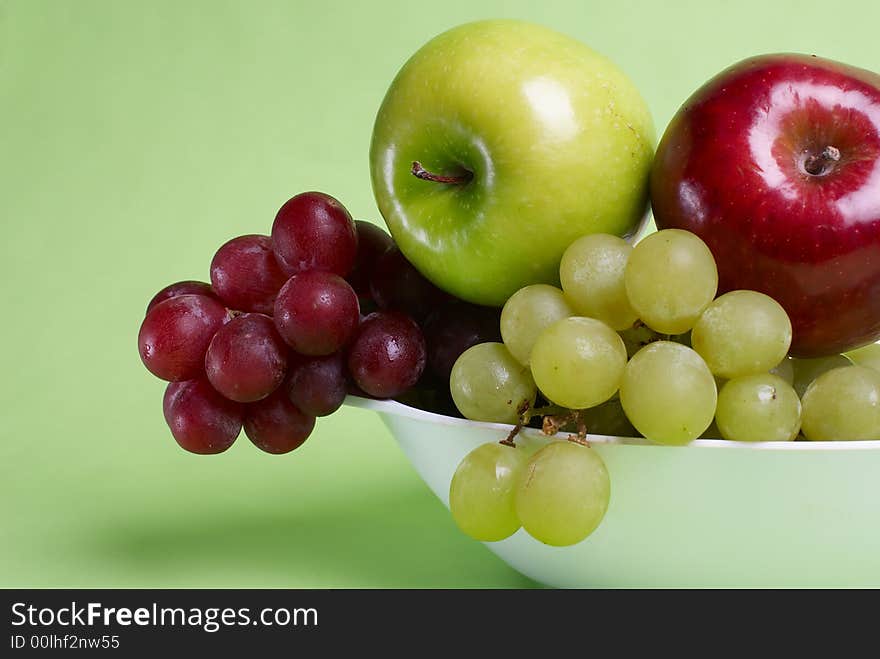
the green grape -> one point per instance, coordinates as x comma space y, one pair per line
868, 355
488, 384
756, 408
807, 370
742, 333
578, 362
670, 279
668, 393
563, 493
843, 403
525, 315
591, 272
785, 370
482, 493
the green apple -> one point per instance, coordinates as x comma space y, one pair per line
497, 145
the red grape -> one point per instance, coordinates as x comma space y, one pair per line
317, 385
373, 242
316, 312
246, 274
181, 288
276, 425
313, 231
455, 327
175, 335
246, 360
396, 285
201, 420
387, 356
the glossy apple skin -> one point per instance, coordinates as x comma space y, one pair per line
557, 138
733, 168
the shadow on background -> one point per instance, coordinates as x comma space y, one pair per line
376, 542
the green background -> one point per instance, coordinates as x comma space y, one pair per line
135, 138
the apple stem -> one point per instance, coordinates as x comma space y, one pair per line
817, 165
420, 172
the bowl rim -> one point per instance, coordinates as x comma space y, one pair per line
390, 406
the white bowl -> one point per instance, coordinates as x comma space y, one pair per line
713, 513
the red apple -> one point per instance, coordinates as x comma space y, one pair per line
775, 163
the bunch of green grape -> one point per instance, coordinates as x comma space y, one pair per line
636, 341
559, 494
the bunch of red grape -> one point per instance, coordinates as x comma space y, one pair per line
292, 322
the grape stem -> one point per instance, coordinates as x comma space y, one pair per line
581, 437
554, 418
553, 423
525, 415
